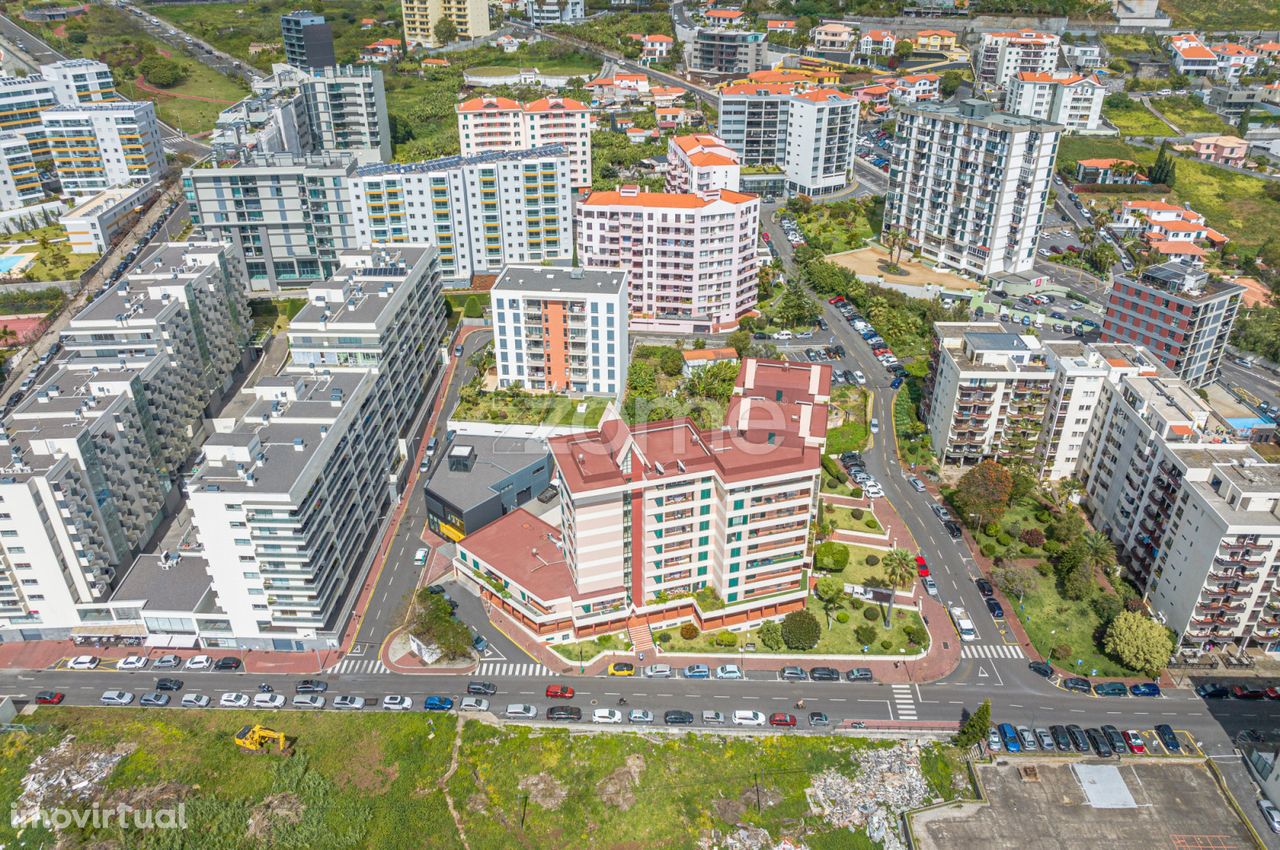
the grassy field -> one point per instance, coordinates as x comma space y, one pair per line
118, 39
1191, 115
843, 518
1119, 44
374, 781
1236, 15
1136, 120
859, 571
833, 228
1054, 620
1235, 204
852, 433
273, 316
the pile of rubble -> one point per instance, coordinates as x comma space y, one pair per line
744, 837
888, 783
67, 772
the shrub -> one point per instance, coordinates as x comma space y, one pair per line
871, 560
688, 631
1106, 606
664, 637
1032, 537
988, 549
1043, 516
857, 604
886, 645
726, 638
991, 529
872, 524
800, 630
856, 492
1003, 539
842, 617
1061, 652
1044, 568
162, 72
871, 614
1051, 547
865, 634
1078, 584
918, 635
1133, 603
770, 634
830, 557
472, 309
856, 513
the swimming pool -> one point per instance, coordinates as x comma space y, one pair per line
9, 263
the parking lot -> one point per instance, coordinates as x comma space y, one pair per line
1167, 805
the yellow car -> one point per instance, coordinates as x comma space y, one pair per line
621, 668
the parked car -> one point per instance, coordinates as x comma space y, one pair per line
1041, 668
1243, 692
1078, 738
940, 512
1027, 739
1061, 739
995, 608
195, 701
349, 703
1212, 691
818, 719
154, 699
930, 586
233, 700
993, 740
520, 711
167, 662
782, 719
1114, 739
859, 674
1133, 740
308, 701
564, 712
50, 698
132, 662
1270, 814
788, 674
1111, 689
1045, 740
399, 702
482, 689
83, 662
954, 531
168, 684
713, 718
922, 566
1009, 738
640, 715
1145, 689
1098, 742
268, 701
748, 718
697, 671
677, 717
659, 671
824, 674
1077, 684
621, 668
916, 483
729, 671
227, 663
310, 686
1168, 737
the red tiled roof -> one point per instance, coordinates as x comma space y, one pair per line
660, 200
555, 104
493, 104
759, 88
822, 95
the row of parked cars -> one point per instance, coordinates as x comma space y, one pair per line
1081, 685
1217, 690
876, 148
1104, 742
792, 230
879, 348
853, 465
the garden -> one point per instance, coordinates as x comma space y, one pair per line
1190, 115
516, 406
272, 316
849, 408
1132, 118
833, 227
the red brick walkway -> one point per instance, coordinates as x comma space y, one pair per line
895, 530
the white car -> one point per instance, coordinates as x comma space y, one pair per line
659, 671
860, 378
349, 703
198, 662
83, 662
234, 700
930, 586
116, 698
395, 702
133, 662
606, 715
873, 492
520, 711
749, 718
420, 557
308, 701
473, 704
268, 701
729, 671
195, 701
875, 426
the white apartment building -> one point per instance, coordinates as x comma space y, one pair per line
502, 124
969, 185
542, 12
1060, 97
19, 178
561, 330
832, 37
483, 212
1082, 57
692, 259
1079, 371
347, 108
809, 134
655, 512
93, 226
100, 146
471, 17
288, 497
76, 81
700, 164
71, 82
1191, 57
1002, 55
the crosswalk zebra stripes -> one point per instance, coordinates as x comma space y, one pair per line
904, 704
505, 668
997, 651
359, 665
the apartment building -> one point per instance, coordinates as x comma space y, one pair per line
100, 146
692, 259
471, 17
969, 185
914, 88
720, 51
93, 226
1168, 230
938, 41
288, 215
346, 108
808, 132
1003, 55
540, 13
1075, 392
561, 330
653, 513
1220, 150
657, 47
700, 164
502, 124
288, 498
308, 40
19, 178
22, 99
1177, 313
90, 455
1060, 97
1191, 510
985, 394
484, 212
77, 81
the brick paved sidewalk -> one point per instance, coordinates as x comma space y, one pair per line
895, 530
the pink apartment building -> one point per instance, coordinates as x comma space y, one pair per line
500, 123
692, 258
1220, 150
653, 513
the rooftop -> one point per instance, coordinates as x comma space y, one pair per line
448, 163
166, 581
983, 113
548, 279
490, 461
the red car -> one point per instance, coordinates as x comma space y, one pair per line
1241, 692
1134, 742
922, 566
50, 697
781, 718
764, 236
1273, 693
837, 300
559, 692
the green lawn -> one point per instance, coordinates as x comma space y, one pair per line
1136, 120
1191, 115
839, 639
844, 518
271, 316
913, 442
852, 434
530, 409
585, 650
1051, 620
46, 268
1121, 44
1020, 517
858, 571
1233, 203
833, 228
1212, 14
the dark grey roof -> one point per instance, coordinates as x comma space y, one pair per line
178, 588
551, 279
995, 342
496, 459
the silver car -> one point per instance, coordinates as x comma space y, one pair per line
520, 711
640, 715
349, 703
658, 671
116, 698
1028, 739
154, 698
308, 701
195, 701
167, 662
473, 704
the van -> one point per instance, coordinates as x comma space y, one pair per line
432, 445
962, 623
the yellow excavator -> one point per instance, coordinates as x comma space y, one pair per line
259, 740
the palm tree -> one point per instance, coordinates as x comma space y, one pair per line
899, 569
8, 336
896, 240
1060, 496
1087, 235
1100, 552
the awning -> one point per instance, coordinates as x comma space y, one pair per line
171, 641
109, 630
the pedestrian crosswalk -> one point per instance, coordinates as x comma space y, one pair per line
350, 666
997, 651
506, 668
904, 704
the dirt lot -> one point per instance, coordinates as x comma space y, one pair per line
1176, 806
868, 261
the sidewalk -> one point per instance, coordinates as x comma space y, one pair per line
896, 534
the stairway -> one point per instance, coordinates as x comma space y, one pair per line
641, 637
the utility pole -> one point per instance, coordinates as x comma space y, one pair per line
524, 805
757, 792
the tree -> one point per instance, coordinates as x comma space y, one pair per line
472, 308
899, 570
739, 341
795, 307
445, 31
78, 37
951, 82
895, 240
1078, 584
866, 634
830, 592
1243, 125
830, 557
1164, 170
1013, 581
770, 634
8, 336
800, 630
1138, 642
161, 72
1099, 551
976, 728
903, 50
688, 631
983, 493
1106, 606
699, 344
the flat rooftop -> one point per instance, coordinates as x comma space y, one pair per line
546, 279
982, 341
103, 201
495, 459
167, 581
